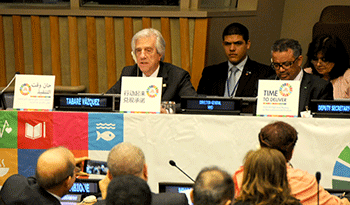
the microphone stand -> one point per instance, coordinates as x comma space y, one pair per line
172, 163
318, 178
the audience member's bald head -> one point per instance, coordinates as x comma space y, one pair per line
55, 166
127, 159
213, 186
279, 135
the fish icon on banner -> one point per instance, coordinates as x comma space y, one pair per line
105, 130
107, 135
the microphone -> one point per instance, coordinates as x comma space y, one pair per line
172, 163
8, 85
135, 60
318, 178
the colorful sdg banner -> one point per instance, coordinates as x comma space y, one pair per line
341, 171
25, 135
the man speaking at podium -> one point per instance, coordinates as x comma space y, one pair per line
148, 50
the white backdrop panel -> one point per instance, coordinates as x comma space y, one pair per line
196, 141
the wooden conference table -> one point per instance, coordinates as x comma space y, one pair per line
192, 141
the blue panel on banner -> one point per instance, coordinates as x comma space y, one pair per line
105, 130
341, 170
27, 159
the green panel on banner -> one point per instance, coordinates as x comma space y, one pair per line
345, 155
8, 129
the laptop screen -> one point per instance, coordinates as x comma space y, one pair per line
70, 199
173, 187
85, 186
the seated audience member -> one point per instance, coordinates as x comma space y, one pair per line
54, 176
287, 60
283, 137
328, 58
218, 80
148, 50
127, 159
128, 190
213, 186
265, 179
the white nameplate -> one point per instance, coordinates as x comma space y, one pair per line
34, 92
278, 98
141, 94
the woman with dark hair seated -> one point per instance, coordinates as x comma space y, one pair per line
328, 58
265, 179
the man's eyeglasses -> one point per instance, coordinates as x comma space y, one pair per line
286, 65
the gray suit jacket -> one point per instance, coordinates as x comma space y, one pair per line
176, 81
169, 199
162, 199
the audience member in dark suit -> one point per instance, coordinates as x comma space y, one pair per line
213, 186
17, 190
148, 50
54, 176
287, 61
127, 159
216, 79
128, 190
265, 179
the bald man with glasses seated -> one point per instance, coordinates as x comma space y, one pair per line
287, 60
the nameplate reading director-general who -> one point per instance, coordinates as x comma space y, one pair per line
141, 94
278, 98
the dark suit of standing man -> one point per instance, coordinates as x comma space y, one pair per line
287, 60
214, 79
148, 48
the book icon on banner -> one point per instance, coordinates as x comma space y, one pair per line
35, 132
